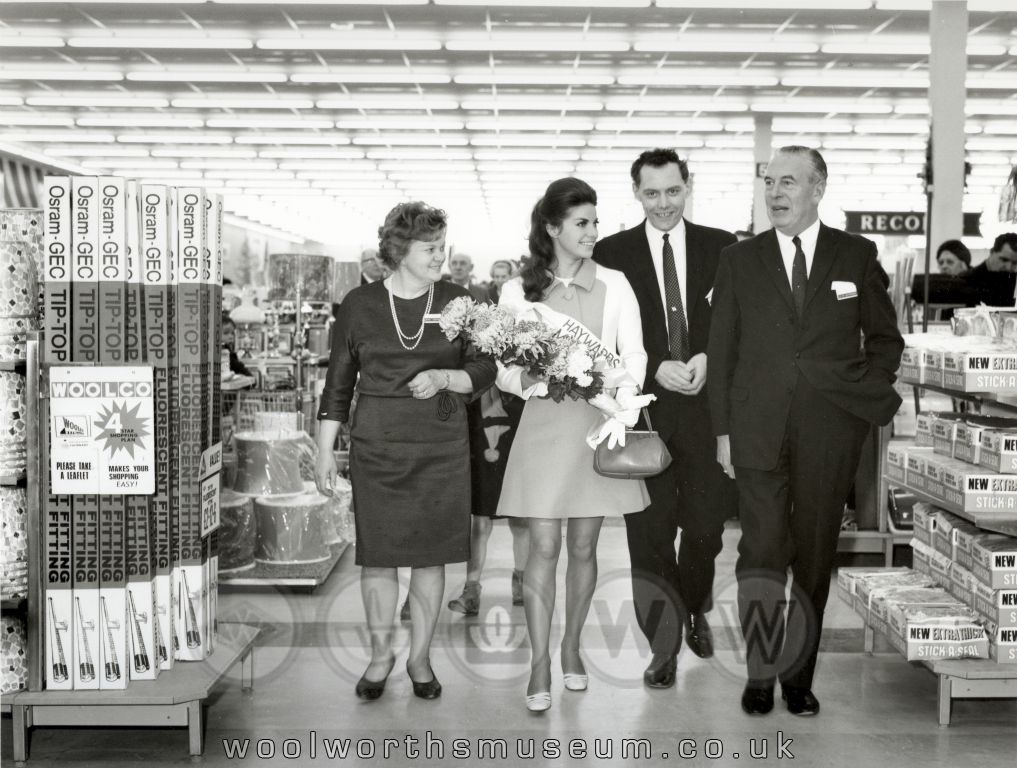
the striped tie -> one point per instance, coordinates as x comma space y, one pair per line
677, 326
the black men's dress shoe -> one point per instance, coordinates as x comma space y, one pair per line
661, 671
757, 701
699, 636
800, 701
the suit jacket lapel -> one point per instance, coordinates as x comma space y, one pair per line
643, 267
822, 263
773, 265
693, 278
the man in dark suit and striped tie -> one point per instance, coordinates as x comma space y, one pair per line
670, 263
803, 352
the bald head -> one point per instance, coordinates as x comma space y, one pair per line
370, 264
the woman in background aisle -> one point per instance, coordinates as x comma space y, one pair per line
550, 477
409, 452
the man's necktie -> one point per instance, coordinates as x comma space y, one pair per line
677, 326
799, 277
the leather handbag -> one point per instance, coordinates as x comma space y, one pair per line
643, 455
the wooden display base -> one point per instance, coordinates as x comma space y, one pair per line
964, 678
174, 699
297, 575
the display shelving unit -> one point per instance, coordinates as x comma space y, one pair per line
964, 678
309, 575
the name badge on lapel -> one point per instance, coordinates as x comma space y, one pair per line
844, 289
434, 317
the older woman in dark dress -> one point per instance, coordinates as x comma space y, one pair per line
409, 454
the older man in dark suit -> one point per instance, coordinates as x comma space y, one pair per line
803, 352
670, 263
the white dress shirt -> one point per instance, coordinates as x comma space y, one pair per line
677, 239
787, 249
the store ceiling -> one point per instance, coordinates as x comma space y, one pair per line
303, 111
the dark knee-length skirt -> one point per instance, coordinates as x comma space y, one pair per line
410, 470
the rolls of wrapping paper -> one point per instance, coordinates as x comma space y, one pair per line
19, 285
290, 529
13, 526
238, 534
311, 272
268, 463
277, 421
13, 654
14, 337
13, 426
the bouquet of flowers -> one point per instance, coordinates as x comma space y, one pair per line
561, 361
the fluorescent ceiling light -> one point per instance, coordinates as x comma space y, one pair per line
411, 139
27, 118
989, 6
705, 43
919, 127
990, 107
537, 103
529, 166
204, 76
97, 152
131, 162
314, 152
141, 121
176, 39
182, 137
419, 153
729, 142
235, 153
65, 137
339, 175
673, 104
536, 40
516, 153
227, 164
667, 124
548, 123
290, 138
61, 74
381, 123
85, 100
30, 41
11, 101
823, 106
361, 41
241, 102
857, 78
526, 140
374, 75
425, 166
999, 127
324, 165
249, 175
408, 102
786, 125
269, 123
986, 143
684, 76
563, 3
833, 5
644, 140
1002, 80
533, 76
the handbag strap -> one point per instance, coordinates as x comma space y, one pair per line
645, 411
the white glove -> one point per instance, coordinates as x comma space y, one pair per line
611, 430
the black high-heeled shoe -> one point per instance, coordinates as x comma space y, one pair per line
369, 690
429, 690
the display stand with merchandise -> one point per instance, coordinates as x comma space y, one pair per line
950, 473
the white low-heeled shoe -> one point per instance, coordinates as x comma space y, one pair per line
575, 682
539, 702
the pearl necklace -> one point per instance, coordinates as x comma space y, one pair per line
414, 340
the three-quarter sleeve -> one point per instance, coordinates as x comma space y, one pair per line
343, 367
480, 368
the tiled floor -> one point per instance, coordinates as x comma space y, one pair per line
875, 709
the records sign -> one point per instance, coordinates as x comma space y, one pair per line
102, 430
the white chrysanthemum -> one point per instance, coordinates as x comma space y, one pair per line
579, 362
457, 316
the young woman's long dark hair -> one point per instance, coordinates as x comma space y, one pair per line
560, 197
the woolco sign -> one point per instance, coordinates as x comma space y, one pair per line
894, 223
